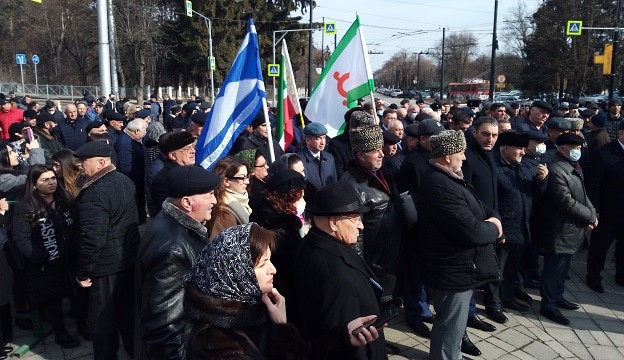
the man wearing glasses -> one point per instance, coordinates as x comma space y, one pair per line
177, 149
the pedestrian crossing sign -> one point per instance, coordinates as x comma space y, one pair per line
212, 63
330, 27
189, 8
574, 27
274, 70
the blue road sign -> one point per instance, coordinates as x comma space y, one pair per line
35, 59
20, 59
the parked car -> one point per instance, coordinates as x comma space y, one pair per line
396, 92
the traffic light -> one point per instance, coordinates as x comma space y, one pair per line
605, 59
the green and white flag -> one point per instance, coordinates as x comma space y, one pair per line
346, 78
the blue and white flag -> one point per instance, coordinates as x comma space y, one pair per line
238, 102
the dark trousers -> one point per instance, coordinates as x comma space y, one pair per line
53, 313
556, 267
6, 326
511, 261
601, 239
415, 300
529, 270
111, 313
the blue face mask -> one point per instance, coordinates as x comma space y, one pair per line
575, 155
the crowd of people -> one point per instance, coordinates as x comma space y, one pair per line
411, 205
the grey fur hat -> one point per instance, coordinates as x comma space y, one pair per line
361, 118
447, 142
366, 138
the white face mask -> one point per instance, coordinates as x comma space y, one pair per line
540, 149
575, 154
380, 113
300, 205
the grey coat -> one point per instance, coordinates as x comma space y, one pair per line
567, 207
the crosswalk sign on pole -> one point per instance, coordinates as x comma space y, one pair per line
212, 63
574, 27
274, 70
189, 8
329, 27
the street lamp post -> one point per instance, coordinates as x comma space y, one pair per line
418, 66
209, 27
284, 33
494, 47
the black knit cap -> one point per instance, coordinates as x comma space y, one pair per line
190, 180
199, 117
44, 117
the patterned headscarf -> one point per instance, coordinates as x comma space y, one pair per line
248, 157
224, 268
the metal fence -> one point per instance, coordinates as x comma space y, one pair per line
73, 92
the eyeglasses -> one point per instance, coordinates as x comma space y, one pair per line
188, 148
353, 219
241, 178
261, 165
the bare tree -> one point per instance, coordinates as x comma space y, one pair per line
516, 29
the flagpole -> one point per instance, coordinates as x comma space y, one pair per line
367, 64
265, 109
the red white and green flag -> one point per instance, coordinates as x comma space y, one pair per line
346, 78
288, 101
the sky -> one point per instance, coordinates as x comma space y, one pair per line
392, 26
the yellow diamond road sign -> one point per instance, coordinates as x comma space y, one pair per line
329, 27
574, 27
274, 70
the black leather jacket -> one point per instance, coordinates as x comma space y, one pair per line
166, 254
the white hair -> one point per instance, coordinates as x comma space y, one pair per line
136, 124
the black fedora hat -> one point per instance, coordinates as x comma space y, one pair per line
336, 199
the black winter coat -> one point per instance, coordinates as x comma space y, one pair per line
568, 207
384, 223
340, 148
167, 253
159, 188
227, 329
412, 169
333, 285
262, 145
605, 176
456, 244
47, 248
479, 171
109, 225
72, 135
517, 185
286, 227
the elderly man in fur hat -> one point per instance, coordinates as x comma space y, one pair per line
384, 224
457, 233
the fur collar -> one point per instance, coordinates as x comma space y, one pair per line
183, 219
453, 175
205, 309
98, 175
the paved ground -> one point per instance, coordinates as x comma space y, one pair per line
596, 330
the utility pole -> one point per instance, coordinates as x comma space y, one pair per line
442, 65
113, 56
309, 87
103, 47
494, 48
418, 66
616, 38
